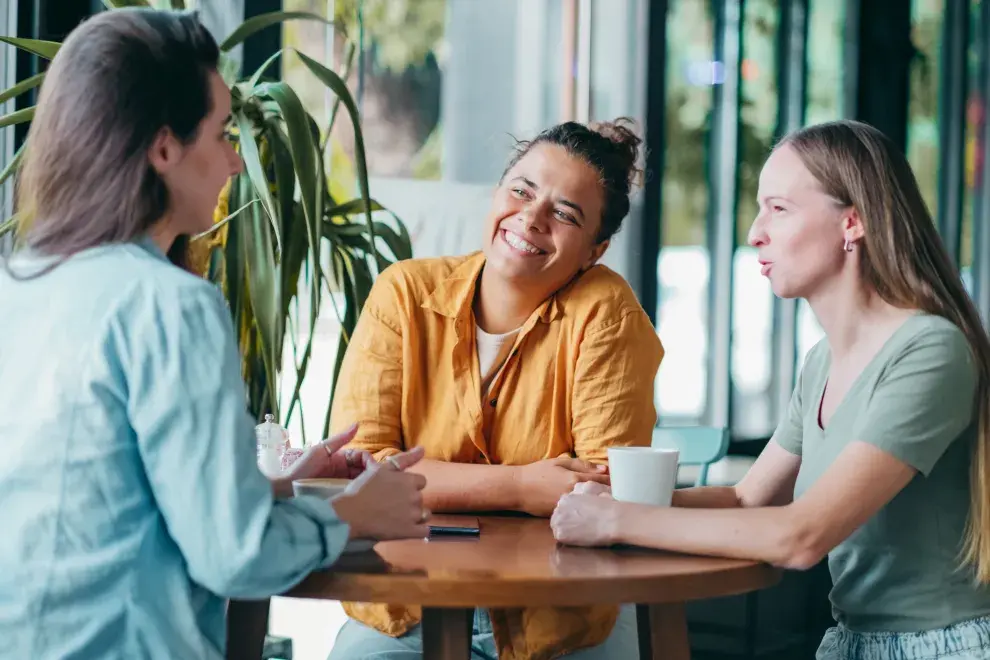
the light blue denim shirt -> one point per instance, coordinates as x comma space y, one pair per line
131, 505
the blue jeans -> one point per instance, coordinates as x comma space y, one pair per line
356, 641
969, 640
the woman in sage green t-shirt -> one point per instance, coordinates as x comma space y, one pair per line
882, 461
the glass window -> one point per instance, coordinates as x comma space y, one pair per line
824, 102
923, 142
683, 263
975, 116
826, 41
752, 312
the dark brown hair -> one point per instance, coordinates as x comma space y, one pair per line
612, 148
118, 79
903, 259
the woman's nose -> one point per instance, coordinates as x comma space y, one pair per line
236, 164
757, 235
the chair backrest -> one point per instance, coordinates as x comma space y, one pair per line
698, 445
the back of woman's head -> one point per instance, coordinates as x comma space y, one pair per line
902, 258
117, 81
611, 148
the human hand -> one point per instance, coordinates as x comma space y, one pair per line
543, 483
592, 488
588, 520
385, 502
327, 460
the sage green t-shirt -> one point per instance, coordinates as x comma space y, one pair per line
915, 399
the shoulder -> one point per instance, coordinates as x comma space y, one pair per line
418, 278
600, 298
153, 280
148, 298
926, 343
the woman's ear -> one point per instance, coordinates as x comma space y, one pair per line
165, 151
852, 225
596, 253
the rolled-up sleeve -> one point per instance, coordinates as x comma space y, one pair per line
369, 387
187, 406
613, 402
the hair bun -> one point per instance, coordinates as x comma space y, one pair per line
622, 134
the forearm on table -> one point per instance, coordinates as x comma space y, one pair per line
468, 487
707, 497
770, 534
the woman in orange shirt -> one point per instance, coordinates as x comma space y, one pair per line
515, 368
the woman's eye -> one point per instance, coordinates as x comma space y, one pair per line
519, 192
777, 208
566, 217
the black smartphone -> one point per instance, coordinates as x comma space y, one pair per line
451, 525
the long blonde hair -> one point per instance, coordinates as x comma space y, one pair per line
904, 260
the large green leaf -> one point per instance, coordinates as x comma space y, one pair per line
45, 49
260, 22
219, 225
120, 4
9, 225
285, 177
17, 117
21, 87
264, 67
397, 241
305, 159
339, 87
353, 206
12, 166
263, 291
256, 171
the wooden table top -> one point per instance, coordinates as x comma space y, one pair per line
516, 562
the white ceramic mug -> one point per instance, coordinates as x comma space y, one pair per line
644, 475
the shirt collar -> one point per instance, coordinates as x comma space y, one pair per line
454, 296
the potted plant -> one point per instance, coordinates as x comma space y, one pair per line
281, 242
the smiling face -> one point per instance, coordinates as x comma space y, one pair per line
800, 231
546, 214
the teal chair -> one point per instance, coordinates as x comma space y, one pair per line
698, 445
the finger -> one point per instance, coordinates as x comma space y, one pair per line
334, 443
577, 465
365, 459
407, 459
588, 487
597, 478
418, 480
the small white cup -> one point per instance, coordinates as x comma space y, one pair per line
644, 475
325, 488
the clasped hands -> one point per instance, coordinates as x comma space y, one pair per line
383, 501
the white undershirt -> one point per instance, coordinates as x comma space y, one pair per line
493, 351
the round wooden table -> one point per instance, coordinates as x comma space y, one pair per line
516, 562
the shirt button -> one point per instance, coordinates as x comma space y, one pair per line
493, 402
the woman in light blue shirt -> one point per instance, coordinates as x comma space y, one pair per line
131, 502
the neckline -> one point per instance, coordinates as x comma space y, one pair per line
859, 377
495, 338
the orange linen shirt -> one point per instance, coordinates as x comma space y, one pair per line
579, 379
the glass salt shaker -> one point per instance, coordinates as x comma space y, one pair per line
270, 438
